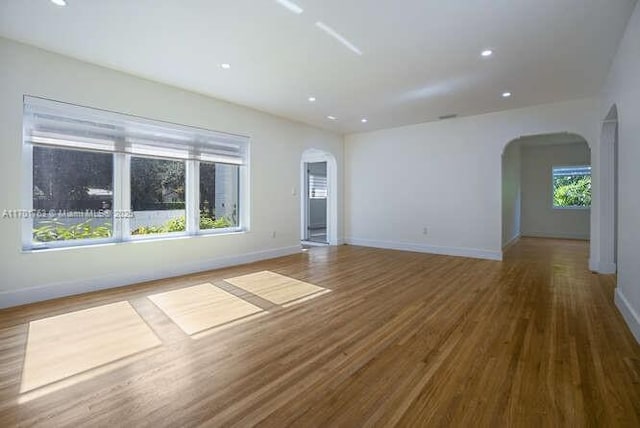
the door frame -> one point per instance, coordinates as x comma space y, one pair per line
311, 156
608, 195
307, 205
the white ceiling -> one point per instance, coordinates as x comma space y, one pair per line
421, 58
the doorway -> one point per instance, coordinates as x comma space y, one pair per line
316, 198
546, 188
319, 198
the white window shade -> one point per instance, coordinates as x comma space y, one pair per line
571, 171
52, 123
317, 187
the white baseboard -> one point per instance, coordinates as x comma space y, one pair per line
68, 288
628, 313
607, 268
555, 235
423, 248
604, 268
510, 243
315, 244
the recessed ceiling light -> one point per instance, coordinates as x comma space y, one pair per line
312, 99
291, 6
59, 2
332, 117
364, 120
487, 53
225, 66
506, 94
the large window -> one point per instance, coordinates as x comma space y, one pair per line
97, 176
572, 187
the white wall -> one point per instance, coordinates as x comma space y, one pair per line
622, 88
445, 176
511, 193
539, 218
276, 149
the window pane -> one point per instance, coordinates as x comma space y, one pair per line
572, 187
218, 195
157, 196
317, 180
72, 193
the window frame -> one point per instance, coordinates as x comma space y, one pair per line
572, 207
28, 244
121, 231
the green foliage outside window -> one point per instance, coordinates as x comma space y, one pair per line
179, 224
571, 190
54, 230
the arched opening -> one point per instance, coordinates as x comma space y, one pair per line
609, 193
546, 188
318, 198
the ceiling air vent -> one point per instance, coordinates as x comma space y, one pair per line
448, 116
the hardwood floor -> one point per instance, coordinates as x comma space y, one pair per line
403, 339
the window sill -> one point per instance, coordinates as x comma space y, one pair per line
572, 208
132, 241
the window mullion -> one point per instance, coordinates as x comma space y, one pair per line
192, 196
121, 197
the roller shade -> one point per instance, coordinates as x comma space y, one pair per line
53, 123
570, 171
317, 187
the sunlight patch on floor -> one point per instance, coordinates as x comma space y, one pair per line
202, 307
276, 288
62, 346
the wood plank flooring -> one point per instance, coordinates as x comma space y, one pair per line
403, 339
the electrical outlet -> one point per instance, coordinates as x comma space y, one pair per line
425, 231
273, 234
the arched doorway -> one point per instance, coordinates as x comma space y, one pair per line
541, 175
609, 193
318, 197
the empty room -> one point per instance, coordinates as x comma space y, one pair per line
319, 213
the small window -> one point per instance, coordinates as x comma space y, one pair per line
572, 187
317, 186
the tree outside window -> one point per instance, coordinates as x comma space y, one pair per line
572, 187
